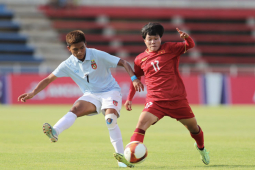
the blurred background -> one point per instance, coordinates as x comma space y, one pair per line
219, 70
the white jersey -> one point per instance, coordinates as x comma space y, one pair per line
93, 75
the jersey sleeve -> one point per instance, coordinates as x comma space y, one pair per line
108, 59
189, 43
181, 47
131, 92
137, 67
60, 71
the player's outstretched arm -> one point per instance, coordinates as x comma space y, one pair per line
189, 43
41, 85
128, 105
138, 85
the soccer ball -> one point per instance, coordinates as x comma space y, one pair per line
135, 152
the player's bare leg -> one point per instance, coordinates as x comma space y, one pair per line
190, 124
197, 134
146, 119
80, 108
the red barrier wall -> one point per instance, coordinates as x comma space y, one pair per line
61, 91
65, 91
194, 89
242, 90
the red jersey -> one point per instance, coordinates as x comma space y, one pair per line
161, 72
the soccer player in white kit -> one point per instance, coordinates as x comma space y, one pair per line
90, 70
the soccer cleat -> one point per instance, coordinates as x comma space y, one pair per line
50, 132
204, 155
122, 165
121, 158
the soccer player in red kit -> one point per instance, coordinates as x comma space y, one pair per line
166, 94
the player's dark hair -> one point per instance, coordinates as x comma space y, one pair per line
74, 37
152, 29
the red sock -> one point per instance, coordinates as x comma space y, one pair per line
138, 135
199, 138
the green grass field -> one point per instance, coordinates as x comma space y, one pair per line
229, 136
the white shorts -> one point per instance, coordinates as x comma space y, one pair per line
102, 101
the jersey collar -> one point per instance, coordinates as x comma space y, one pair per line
147, 51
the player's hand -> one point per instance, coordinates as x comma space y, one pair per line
24, 97
138, 85
183, 35
128, 105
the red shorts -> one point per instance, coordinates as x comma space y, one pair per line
178, 109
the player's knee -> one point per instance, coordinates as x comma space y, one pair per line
193, 128
75, 110
111, 120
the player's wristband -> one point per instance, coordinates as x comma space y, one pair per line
133, 77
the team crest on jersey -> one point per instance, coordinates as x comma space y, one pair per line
161, 52
93, 64
115, 102
144, 59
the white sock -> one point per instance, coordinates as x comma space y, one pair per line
116, 139
65, 122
